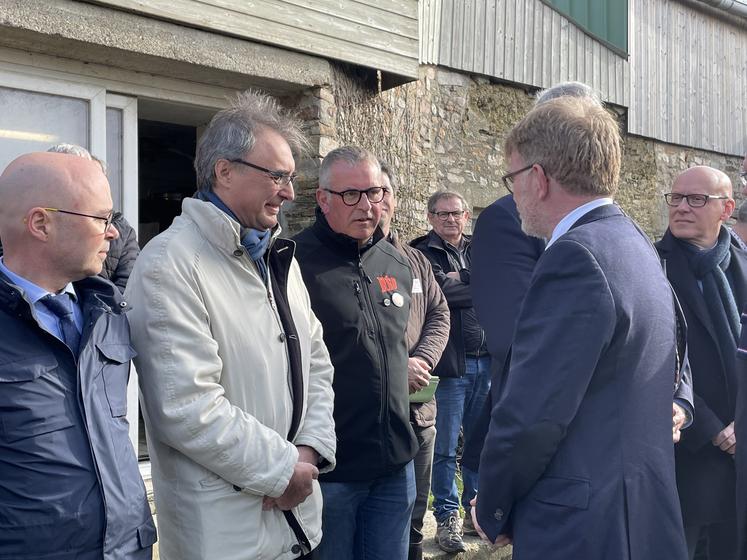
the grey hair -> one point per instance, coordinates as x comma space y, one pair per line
233, 131
80, 151
445, 194
387, 170
569, 89
742, 213
352, 155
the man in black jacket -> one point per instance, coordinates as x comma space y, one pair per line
708, 271
360, 288
464, 369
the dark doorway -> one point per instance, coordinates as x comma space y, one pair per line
166, 173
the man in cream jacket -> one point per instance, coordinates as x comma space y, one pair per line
236, 380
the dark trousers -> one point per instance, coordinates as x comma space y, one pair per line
719, 540
423, 465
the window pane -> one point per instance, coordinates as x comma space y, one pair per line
33, 122
114, 154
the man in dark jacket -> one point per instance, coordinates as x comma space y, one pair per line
122, 254
427, 335
708, 271
464, 369
69, 483
360, 288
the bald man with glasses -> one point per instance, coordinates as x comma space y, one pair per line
708, 271
70, 487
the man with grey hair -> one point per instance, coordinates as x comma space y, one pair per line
464, 368
124, 249
360, 288
236, 380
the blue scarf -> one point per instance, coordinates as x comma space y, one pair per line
254, 241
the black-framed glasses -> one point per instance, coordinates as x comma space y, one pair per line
743, 178
351, 197
280, 177
508, 178
443, 216
106, 219
693, 200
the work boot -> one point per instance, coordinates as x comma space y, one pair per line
449, 534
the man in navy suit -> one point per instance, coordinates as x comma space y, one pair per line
503, 259
708, 270
578, 462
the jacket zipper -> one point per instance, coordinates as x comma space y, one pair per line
384, 411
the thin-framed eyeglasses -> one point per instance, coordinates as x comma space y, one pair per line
743, 178
106, 219
351, 197
693, 200
443, 216
508, 178
281, 178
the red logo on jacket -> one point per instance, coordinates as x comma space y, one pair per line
387, 283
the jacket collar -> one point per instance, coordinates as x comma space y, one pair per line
216, 226
435, 241
343, 244
94, 293
599, 213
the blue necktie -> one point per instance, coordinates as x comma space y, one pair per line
62, 306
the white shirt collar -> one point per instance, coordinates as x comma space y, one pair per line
574, 215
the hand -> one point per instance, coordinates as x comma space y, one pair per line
418, 373
726, 440
298, 489
679, 417
500, 540
453, 275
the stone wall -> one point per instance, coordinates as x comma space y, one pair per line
447, 130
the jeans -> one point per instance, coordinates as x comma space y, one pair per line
368, 520
459, 401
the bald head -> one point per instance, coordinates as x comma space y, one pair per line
46, 180
54, 247
714, 181
700, 225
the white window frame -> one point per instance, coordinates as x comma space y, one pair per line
94, 83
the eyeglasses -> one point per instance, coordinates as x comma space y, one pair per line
508, 178
743, 178
351, 197
443, 216
106, 219
281, 178
693, 200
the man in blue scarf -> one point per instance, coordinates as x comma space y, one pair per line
708, 271
236, 380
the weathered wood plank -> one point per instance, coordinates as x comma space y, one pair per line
350, 33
